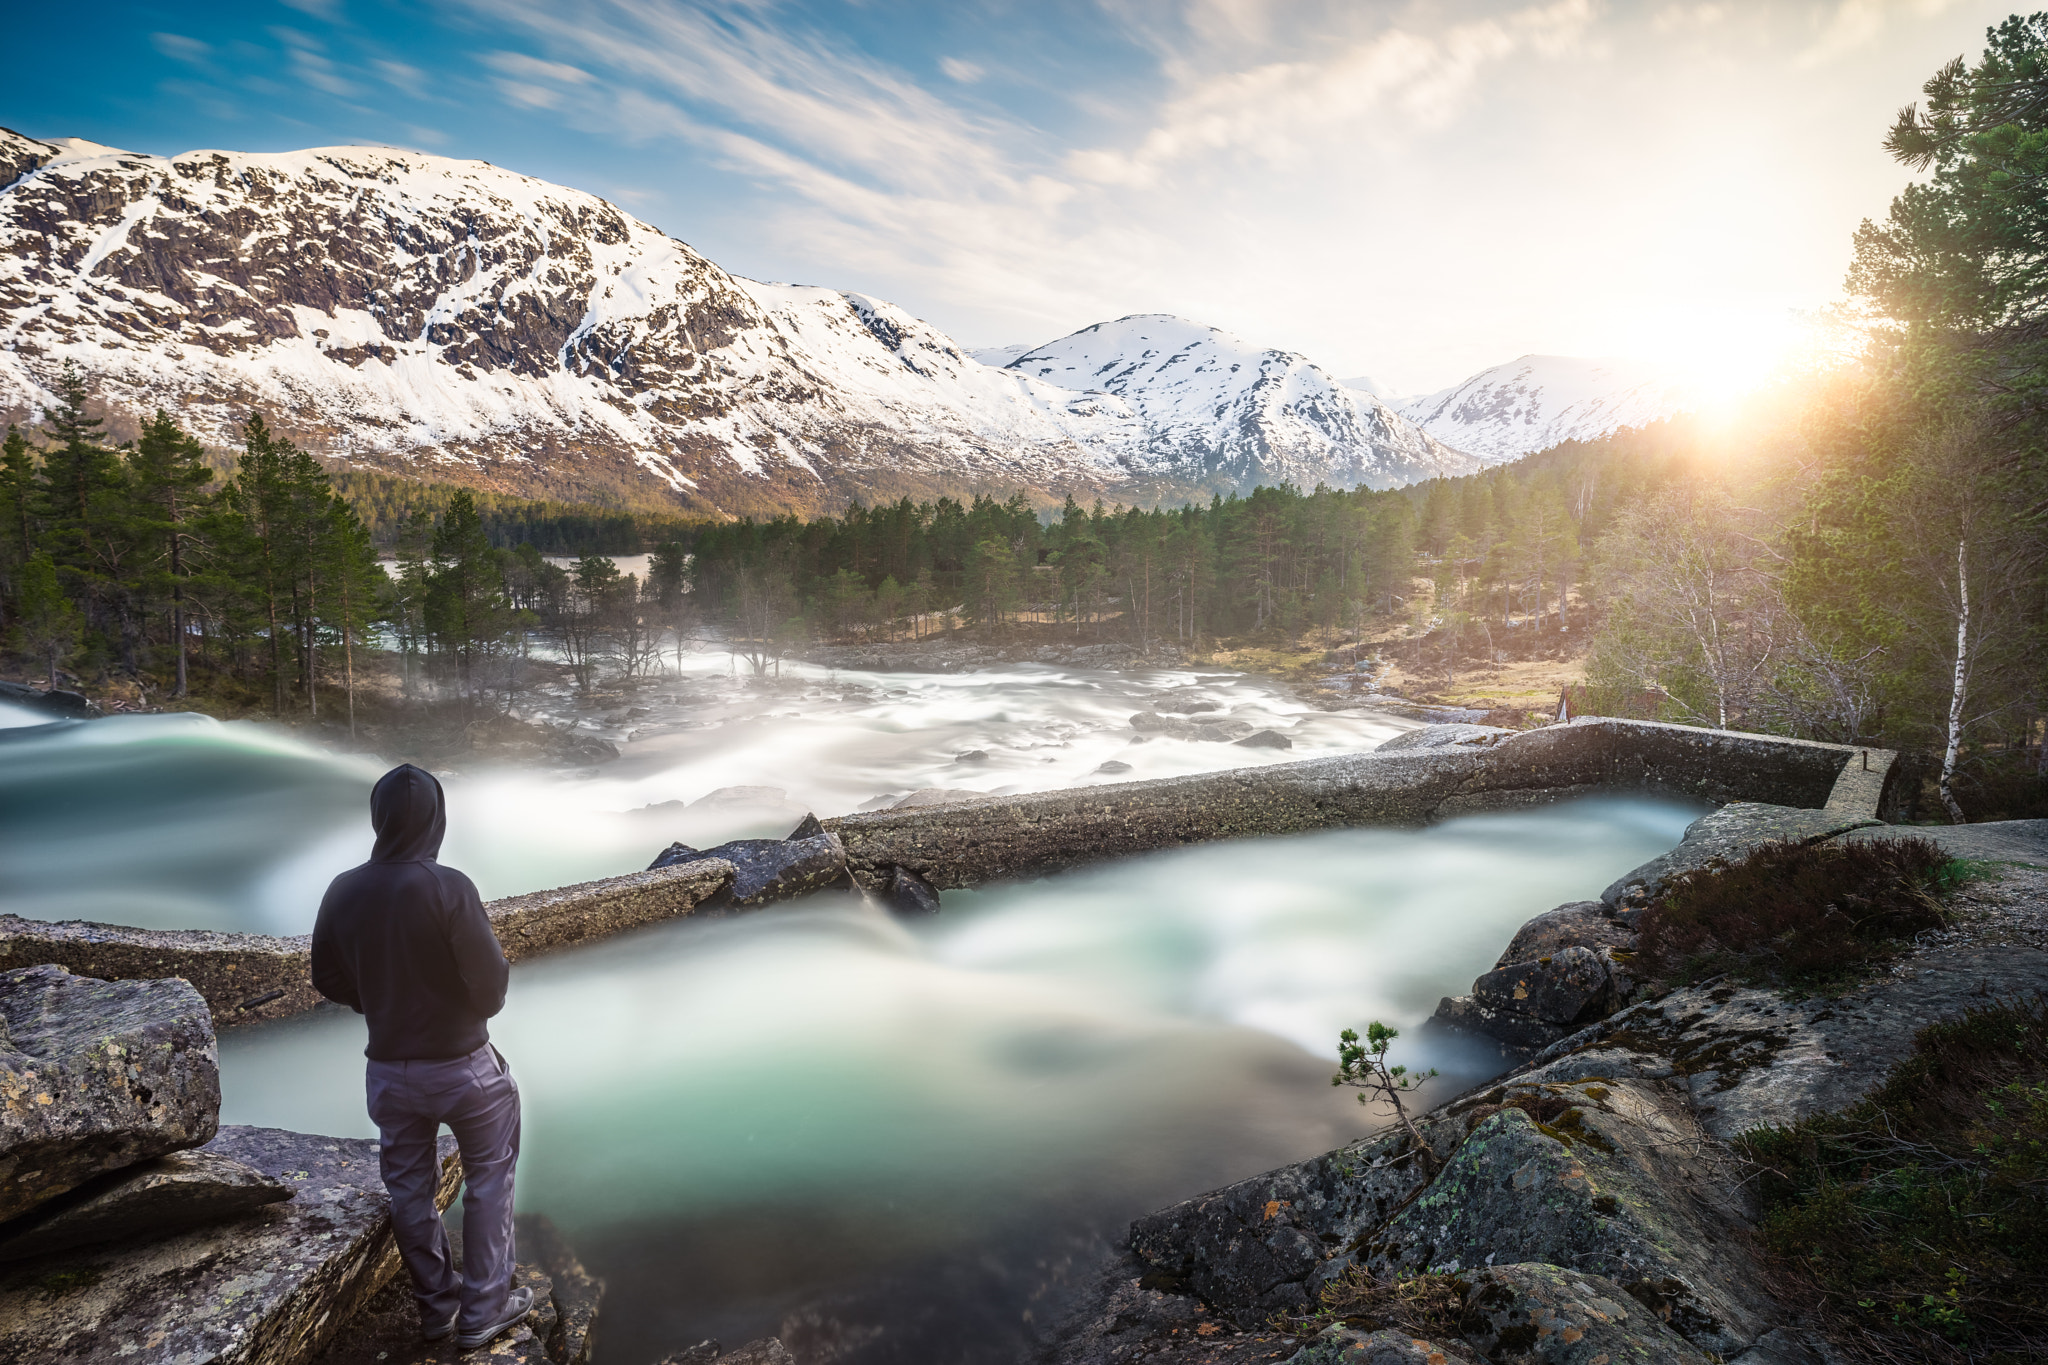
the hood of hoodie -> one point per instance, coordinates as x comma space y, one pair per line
409, 816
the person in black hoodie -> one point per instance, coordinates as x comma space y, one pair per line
404, 942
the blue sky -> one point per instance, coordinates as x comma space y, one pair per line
1408, 190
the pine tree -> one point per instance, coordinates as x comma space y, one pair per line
17, 500
261, 495
466, 597
168, 474
77, 473
48, 625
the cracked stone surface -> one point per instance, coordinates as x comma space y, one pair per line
97, 1075
267, 1287
1548, 1315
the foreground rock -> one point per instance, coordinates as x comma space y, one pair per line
766, 870
154, 1198
1573, 965
268, 1287
1587, 1203
1728, 835
1524, 1314
1349, 1346
97, 1075
559, 1331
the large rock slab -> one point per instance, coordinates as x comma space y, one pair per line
1614, 1179
767, 870
1547, 1315
557, 1331
153, 1198
1575, 924
1566, 988
1264, 1245
1727, 835
97, 1075
266, 1288
1750, 1057
1342, 1345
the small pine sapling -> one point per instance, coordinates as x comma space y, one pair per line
1364, 1065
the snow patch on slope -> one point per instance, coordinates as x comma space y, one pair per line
1226, 411
1538, 401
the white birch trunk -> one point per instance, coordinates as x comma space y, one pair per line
1960, 685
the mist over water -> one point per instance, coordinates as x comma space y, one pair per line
180, 821
736, 1118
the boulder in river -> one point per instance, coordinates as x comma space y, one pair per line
1218, 728
1446, 737
97, 1075
807, 828
150, 1199
769, 869
57, 703
1114, 765
909, 894
1265, 739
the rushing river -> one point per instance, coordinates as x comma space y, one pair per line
817, 1109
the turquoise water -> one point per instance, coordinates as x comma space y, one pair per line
1035, 1066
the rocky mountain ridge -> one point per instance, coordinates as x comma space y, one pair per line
1228, 413
1537, 401
452, 321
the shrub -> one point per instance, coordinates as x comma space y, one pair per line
1917, 1222
1426, 1305
1796, 914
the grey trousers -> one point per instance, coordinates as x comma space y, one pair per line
479, 1101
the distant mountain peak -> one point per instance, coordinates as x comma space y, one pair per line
1534, 402
1227, 412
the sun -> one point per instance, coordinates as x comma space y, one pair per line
1720, 356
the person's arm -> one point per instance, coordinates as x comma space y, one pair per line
332, 975
479, 961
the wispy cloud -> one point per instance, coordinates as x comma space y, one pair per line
1283, 166
179, 48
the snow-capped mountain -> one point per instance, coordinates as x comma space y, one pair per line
1222, 413
453, 321
1535, 402
450, 320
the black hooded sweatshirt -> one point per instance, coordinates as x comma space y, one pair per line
403, 940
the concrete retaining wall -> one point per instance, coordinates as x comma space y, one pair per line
968, 843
